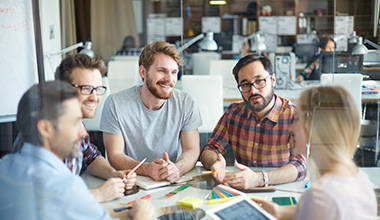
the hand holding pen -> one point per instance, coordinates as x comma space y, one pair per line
133, 170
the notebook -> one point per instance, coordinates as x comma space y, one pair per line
146, 182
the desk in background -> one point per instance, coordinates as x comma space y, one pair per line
294, 189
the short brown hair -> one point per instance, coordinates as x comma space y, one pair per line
42, 101
64, 70
147, 55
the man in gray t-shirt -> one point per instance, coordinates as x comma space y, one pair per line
153, 121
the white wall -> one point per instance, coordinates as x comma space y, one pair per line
51, 42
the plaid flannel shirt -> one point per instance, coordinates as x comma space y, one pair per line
258, 143
88, 152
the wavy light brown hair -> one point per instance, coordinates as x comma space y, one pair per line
147, 55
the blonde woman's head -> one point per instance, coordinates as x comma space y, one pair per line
331, 122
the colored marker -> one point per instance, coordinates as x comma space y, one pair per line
179, 189
134, 169
144, 197
122, 209
307, 185
212, 201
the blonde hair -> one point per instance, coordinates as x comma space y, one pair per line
332, 118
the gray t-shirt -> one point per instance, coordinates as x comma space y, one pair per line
150, 133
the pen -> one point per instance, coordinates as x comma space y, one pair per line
215, 171
134, 169
307, 185
144, 197
122, 208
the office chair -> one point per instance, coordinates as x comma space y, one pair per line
201, 62
123, 74
208, 93
224, 68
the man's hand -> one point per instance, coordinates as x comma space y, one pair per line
111, 189
154, 168
130, 181
245, 179
141, 210
219, 164
170, 172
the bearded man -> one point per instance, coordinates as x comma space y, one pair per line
153, 120
258, 129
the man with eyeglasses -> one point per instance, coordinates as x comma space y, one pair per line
85, 75
257, 129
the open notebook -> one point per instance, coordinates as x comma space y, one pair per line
146, 182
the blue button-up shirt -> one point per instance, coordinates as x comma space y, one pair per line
35, 184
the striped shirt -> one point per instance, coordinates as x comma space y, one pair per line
258, 143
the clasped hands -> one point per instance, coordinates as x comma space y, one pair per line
245, 179
163, 168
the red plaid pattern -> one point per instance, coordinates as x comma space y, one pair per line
264, 143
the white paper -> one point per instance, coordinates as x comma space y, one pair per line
268, 24
211, 24
304, 39
343, 25
173, 26
287, 25
156, 25
341, 44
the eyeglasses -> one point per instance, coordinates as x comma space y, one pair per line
258, 84
87, 90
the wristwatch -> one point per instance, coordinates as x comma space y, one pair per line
265, 178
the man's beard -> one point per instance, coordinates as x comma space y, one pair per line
156, 92
256, 106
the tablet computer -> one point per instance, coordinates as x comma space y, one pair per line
240, 208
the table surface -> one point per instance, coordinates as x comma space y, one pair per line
294, 189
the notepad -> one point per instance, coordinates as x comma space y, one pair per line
146, 182
190, 202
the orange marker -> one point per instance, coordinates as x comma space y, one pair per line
144, 197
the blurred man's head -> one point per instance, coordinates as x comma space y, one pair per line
49, 115
85, 74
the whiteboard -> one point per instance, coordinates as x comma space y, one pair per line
18, 62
